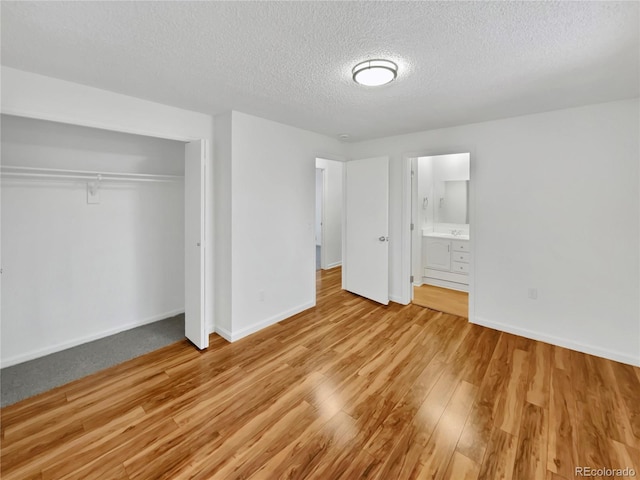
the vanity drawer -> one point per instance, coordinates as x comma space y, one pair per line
459, 267
460, 246
460, 257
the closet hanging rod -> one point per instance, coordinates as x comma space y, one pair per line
10, 170
85, 177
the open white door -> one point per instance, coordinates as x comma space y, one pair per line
366, 229
194, 203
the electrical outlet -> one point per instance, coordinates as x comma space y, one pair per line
261, 295
533, 293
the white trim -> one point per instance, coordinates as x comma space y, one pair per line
344, 228
237, 335
24, 357
323, 220
333, 265
436, 282
429, 273
561, 342
406, 267
398, 299
224, 333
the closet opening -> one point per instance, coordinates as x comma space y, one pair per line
101, 254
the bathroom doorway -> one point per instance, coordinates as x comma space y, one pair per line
440, 232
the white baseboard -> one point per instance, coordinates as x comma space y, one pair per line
460, 287
333, 265
25, 357
224, 333
398, 299
561, 342
237, 335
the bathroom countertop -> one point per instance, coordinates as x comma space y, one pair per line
448, 236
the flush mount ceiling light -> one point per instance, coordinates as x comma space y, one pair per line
373, 73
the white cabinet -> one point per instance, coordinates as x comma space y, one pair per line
437, 253
446, 262
460, 245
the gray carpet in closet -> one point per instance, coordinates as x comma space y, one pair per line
36, 376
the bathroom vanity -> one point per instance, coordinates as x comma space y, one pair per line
446, 259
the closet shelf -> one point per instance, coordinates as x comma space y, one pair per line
14, 171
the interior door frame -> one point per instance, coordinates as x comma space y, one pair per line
323, 205
406, 235
81, 122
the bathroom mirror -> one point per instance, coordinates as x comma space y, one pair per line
453, 202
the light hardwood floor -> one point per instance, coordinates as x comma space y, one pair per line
442, 299
347, 390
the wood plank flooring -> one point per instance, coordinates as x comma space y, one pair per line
347, 390
442, 299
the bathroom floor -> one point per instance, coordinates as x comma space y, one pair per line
442, 299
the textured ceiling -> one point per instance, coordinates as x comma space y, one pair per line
290, 61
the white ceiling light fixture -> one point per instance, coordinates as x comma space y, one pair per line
374, 73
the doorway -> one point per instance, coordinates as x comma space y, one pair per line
328, 213
440, 232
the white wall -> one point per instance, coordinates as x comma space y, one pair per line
30, 95
29, 142
333, 212
73, 272
557, 208
271, 170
